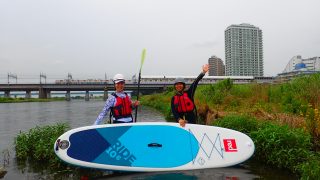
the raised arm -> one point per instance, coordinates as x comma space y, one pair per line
194, 85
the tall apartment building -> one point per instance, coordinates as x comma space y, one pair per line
216, 66
243, 50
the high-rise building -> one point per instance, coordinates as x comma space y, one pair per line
216, 66
243, 50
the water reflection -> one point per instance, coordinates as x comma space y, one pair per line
214, 174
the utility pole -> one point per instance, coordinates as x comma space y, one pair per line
105, 79
43, 76
69, 78
14, 76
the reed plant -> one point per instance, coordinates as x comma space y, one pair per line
313, 125
214, 94
37, 144
310, 169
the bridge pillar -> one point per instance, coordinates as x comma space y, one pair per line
165, 87
68, 96
7, 94
48, 94
105, 94
42, 93
86, 97
28, 95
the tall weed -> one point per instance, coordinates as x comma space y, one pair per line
278, 145
38, 143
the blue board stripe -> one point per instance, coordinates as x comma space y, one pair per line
116, 153
87, 145
112, 134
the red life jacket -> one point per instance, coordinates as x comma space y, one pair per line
183, 103
122, 108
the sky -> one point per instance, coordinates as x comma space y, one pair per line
98, 38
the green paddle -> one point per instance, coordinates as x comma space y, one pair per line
143, 55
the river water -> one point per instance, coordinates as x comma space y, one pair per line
16, 117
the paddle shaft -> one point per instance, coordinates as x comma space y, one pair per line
143, 55
138, 92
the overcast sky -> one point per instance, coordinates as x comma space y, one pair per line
89, 38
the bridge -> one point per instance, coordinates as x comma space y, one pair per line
46, 89
149, 84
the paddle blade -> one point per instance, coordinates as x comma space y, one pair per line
143, 55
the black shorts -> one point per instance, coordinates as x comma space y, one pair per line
119, 122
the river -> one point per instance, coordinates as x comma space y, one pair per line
16, 117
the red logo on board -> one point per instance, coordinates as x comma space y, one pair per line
230, 145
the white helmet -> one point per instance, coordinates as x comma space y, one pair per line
118, 78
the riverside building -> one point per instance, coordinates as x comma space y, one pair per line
312, 64
299, 67
243, 50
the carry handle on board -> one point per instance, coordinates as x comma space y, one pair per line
57, 145
154, 145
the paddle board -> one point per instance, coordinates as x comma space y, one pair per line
153, 147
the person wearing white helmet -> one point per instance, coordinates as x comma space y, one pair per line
182, 103
119, 103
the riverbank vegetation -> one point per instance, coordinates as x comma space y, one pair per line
37, 143
277, 145
284, 118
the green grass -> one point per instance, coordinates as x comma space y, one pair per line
278, 145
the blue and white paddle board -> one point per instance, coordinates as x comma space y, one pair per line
153, 147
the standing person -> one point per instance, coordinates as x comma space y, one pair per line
182, 103
119, 103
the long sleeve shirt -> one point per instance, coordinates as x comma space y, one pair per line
111, 101
190, 116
